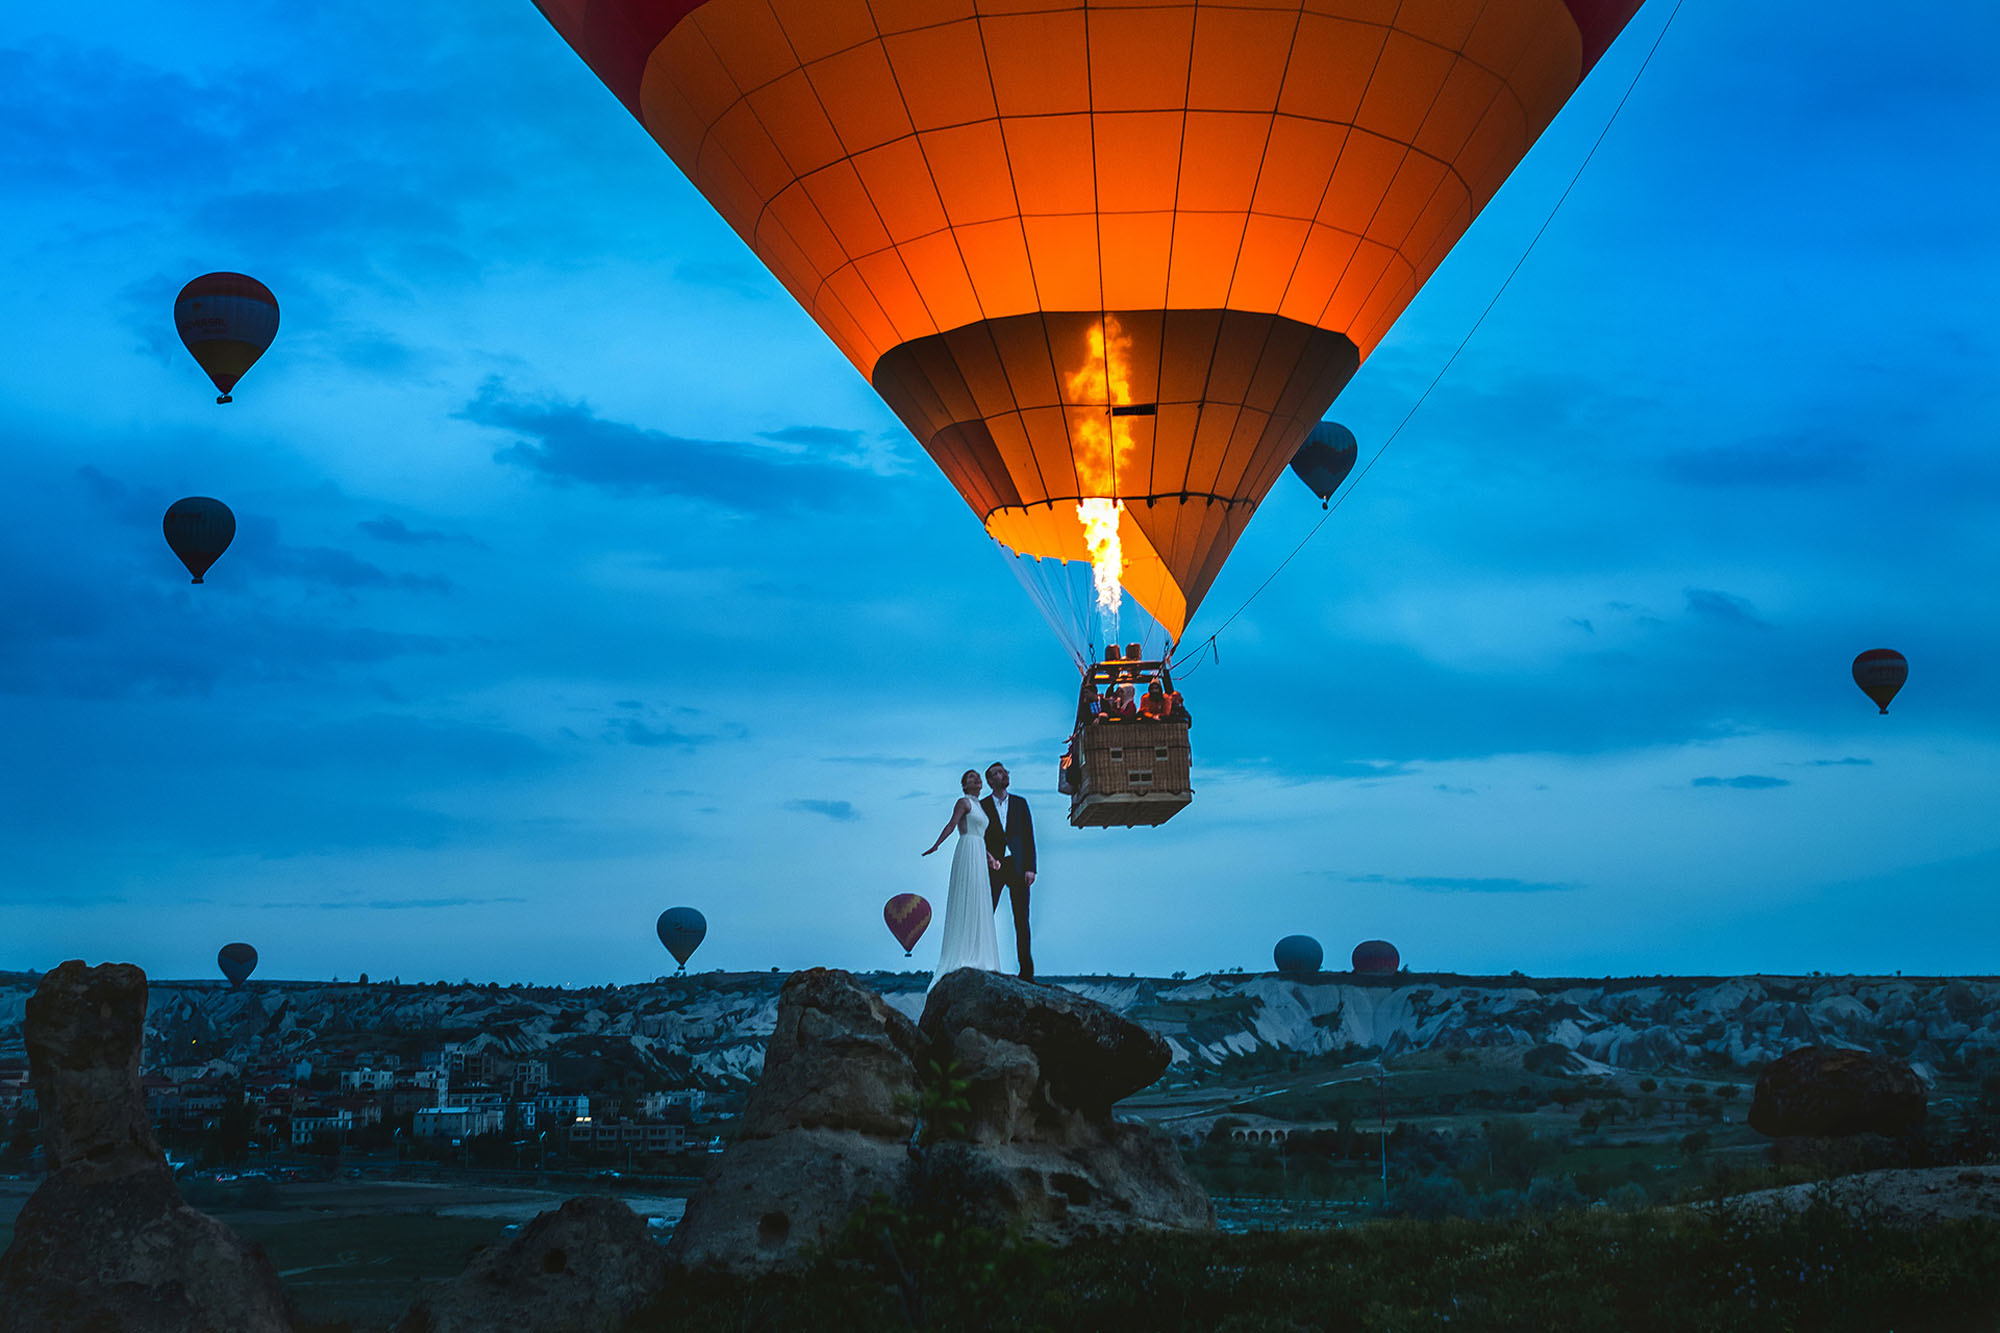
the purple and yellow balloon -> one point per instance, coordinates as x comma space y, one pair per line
226, 320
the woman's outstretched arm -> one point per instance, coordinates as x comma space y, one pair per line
957, 815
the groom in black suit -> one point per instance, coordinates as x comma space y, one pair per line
1010, 836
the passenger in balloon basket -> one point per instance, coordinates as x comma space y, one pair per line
1155, 706
1010, 839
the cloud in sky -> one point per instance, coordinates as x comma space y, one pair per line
1463, 883
567, 443
404, 904
389, 528
1639, 528
1724, 609
634, 732
842, 811
1784, 464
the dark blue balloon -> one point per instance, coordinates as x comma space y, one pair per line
1298, 955
1325, 459
200, 530
682, 930
237, 962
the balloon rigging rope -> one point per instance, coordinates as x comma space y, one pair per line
1209, 642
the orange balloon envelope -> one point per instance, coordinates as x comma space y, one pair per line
226, 320
909, 916
1119, 254
1880, 672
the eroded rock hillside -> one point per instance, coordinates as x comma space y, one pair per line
709, 1029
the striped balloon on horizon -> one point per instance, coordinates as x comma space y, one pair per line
908, 916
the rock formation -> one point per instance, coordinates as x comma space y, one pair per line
711, 1028
585, 1267
1823, 1091
1035, 1151
106, 1242
827, 1128
1043, 1154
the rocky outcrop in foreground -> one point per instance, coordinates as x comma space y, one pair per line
581, 1268
1823, 1092
106, 1242
1031, 1146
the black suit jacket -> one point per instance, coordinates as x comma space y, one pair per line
1018, 841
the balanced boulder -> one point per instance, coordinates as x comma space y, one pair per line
1041, 1154
998, 1106
1089, 1056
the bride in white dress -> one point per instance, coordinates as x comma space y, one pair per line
969, 939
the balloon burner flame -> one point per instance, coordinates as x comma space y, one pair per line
1102, 443
1107, 562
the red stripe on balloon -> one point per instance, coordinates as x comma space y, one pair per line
227, 284
617, 38
1599, 22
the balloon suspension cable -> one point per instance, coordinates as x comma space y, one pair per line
1463, 342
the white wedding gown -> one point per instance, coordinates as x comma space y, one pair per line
969, 939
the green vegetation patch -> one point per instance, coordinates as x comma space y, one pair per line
363, 1272
1720, 1270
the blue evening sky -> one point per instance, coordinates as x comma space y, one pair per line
578, 575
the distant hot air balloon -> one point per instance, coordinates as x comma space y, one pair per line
1298, 955
1377, 956
909, 916
200, 530
1108, 263
681, 930
1880, 672
226, 320
237, 962
1325, 459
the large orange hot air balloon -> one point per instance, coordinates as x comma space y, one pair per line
1109, 263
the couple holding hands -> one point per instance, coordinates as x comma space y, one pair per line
995, 853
